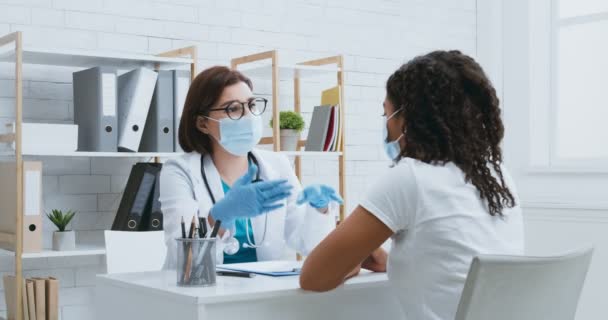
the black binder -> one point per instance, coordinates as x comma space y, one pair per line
153, 217
136, 197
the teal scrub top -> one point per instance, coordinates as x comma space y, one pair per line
244, 254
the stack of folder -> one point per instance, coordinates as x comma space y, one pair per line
40, 298
135, 111
325, 131
139, 208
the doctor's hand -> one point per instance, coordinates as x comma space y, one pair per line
319, 196
246, 199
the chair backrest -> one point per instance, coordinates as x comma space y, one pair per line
524, 288
128, 251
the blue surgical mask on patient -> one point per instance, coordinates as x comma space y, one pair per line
239, 136
391, 148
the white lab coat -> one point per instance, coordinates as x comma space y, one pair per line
183, 193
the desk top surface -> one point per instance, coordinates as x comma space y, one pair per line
227, 289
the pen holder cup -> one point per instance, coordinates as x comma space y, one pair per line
196, 262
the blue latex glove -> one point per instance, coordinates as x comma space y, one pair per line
246, 199
319, 196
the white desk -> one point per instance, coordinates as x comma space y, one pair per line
154, 295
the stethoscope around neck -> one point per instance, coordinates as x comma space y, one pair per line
249, 243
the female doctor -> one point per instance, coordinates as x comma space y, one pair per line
254, 193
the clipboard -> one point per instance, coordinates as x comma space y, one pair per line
281, 268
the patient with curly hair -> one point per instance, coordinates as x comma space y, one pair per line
446, 198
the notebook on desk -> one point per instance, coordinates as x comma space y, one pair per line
266, 268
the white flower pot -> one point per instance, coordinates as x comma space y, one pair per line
289, 139
64, 240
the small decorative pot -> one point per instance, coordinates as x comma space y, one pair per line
289, 139
64, 240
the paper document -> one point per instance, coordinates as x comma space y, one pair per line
266, 268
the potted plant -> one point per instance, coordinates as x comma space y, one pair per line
291, 124
62, 239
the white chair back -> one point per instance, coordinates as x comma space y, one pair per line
134, 251
524, 288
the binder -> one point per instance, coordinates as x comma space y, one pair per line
40, 298
95, 100
52, 298
317, 132
32, 206
136, 197
158, 131
153, 216
31, 301
181, 84
135, 90
9, 295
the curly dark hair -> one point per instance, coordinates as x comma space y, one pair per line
451, 114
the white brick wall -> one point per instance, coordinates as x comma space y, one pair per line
375, 37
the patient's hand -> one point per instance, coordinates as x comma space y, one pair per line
353, 273
376, 261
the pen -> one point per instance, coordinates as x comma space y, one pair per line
235, 274
183, 228
192, 227
202, 228
216, 229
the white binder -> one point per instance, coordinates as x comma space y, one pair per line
181, 84
95, 109
135, 89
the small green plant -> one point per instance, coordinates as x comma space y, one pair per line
60, 219
290, 120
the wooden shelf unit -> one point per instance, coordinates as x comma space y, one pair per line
11, 237
267, 66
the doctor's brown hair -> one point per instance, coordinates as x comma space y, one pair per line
452, 114
204, 93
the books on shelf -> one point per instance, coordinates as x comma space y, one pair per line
331, 97
40, 298
325, 129
327, 123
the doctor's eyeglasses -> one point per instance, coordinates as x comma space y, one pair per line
236, 109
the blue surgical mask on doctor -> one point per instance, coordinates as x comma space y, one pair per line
391, 148
239, 136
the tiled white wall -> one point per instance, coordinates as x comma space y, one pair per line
375, 37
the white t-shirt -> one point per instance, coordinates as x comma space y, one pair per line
440, 224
